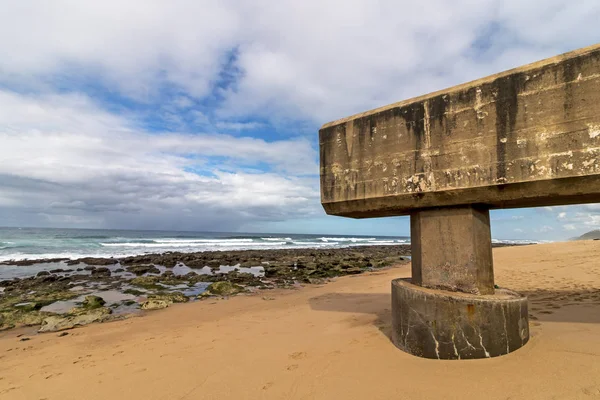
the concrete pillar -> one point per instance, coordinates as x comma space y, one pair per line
449, 309
452, 249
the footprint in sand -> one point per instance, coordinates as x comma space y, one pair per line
297, 355
546, 312
292, 367
591, 391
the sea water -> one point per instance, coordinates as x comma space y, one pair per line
37, 243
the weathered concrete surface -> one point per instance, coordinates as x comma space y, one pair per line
525, 137
447, 325
452, 249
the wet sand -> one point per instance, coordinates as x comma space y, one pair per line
322, 342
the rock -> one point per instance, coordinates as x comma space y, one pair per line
57, 270
97, 261
101, 272
134, 292
163, 300
47, 278
42, 273
92, 302
149, 282
24, 339
69, 321
221, 289
17, 318
143, 269
89, 268
27, 307
155, 304
62, 334
174, 297
26, 263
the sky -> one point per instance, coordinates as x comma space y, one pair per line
204, 115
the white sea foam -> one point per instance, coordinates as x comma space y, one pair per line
276, 239
193, 244
321, 244
343, 239
518, 241
192, 241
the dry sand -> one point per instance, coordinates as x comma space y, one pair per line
327, 342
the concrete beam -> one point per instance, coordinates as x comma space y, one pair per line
526, 137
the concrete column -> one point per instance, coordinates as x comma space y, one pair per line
452, 249
449, 309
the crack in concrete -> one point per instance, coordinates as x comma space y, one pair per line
454, 345
407, 329
487, 355
505, 330
437, 344
467, 340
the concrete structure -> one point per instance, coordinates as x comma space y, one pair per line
525, 137
454, 325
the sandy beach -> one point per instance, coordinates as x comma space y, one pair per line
321, 342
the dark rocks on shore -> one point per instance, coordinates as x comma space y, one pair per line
101, 272
92, 302
223, 288
143, 269
93, 261
26, 263
23, 300
74, 318
57, 270
163, 300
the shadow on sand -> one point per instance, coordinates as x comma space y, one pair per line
377, 304
564, 305
582, 306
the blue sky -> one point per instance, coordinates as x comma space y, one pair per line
204, 115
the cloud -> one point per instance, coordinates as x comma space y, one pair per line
65, 159
579, 218
544, 229
315, 60
204, 114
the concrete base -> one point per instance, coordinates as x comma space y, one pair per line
450, 325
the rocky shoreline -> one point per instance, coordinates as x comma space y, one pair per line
58, 294
62, 293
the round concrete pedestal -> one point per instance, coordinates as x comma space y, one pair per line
451, 325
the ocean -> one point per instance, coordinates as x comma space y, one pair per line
37, 243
